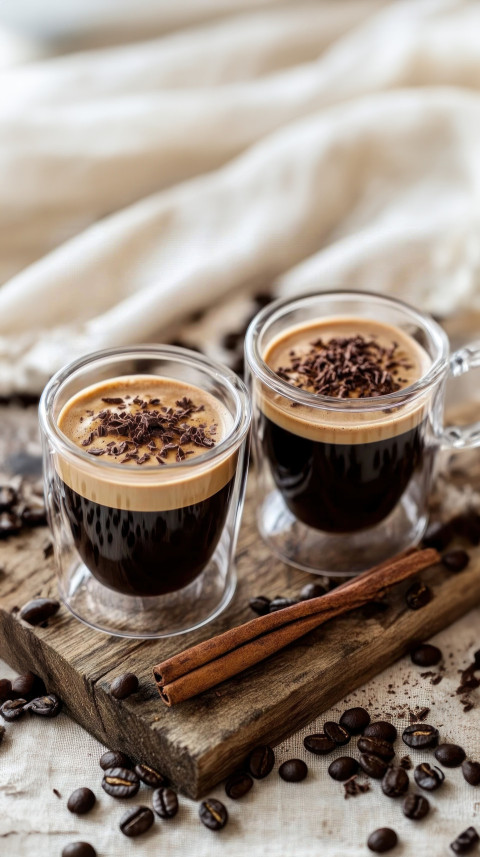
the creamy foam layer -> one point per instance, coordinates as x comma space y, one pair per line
343, 426
125, 469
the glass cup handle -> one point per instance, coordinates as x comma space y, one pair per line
463, 361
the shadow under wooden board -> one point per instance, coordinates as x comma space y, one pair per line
201, 741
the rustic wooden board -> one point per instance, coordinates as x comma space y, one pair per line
201, 741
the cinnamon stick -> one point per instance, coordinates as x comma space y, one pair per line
209, 663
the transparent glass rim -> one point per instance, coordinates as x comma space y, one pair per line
274, 311
222, 374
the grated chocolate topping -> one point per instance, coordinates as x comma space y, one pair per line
347, 367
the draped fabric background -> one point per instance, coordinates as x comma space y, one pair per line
305, 145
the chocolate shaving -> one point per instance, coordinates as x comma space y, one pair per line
111, 400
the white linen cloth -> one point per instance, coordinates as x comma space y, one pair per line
313, 144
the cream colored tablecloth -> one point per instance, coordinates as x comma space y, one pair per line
277, 819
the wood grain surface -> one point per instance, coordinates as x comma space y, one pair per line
201, 741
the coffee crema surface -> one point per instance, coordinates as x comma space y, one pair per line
145, 511
341, 469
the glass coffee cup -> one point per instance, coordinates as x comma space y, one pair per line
346, 429
145, 462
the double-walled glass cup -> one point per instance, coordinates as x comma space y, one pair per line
145, 551
343, 483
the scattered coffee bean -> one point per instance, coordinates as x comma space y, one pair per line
213, 814
355, 720
45, 706
381, 729
406, 762
13, 709
438, 535
293, 770
150, 776
354, 788
5, 689
395, 782
373, 766
34, 516
260, 605
26, 685
418, 595
81, 801
165, 802
455, 560
471, 772
39, 610
79, 849
136, 821
279, 603
261, 761
428, 778
114, 759
238, 785
420, 736
336, 733
319, 744
376, 747
120, 782
416, 807
343, 768
312, 590
426, 655
10, 524
8, 497
464, 843
382, 840
450, 755
124, 685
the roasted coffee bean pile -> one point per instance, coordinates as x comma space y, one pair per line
21, 508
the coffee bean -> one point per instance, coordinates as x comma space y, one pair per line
450, 755
13, 709
420, 736
79, 849
336, 733
81, 801
319, 744
438, 535
382, 840
238, 785
395, 782
124, 685
136, 821
120, 782
34, 516
418, 595
355, 720
10, 524
213, 814
464, 843
8, 497
343, 768
165, 802
27, 685
261, 761
260, 605
426, 655
39, 610
293, 770
5, 689
381, 729
416, 807
150, 776
467, 525
471, 772
45, 706
312, 590
2, 733
455, 560
373, 766
279, 603
114, 759
376, 747
476, 659
428, 778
